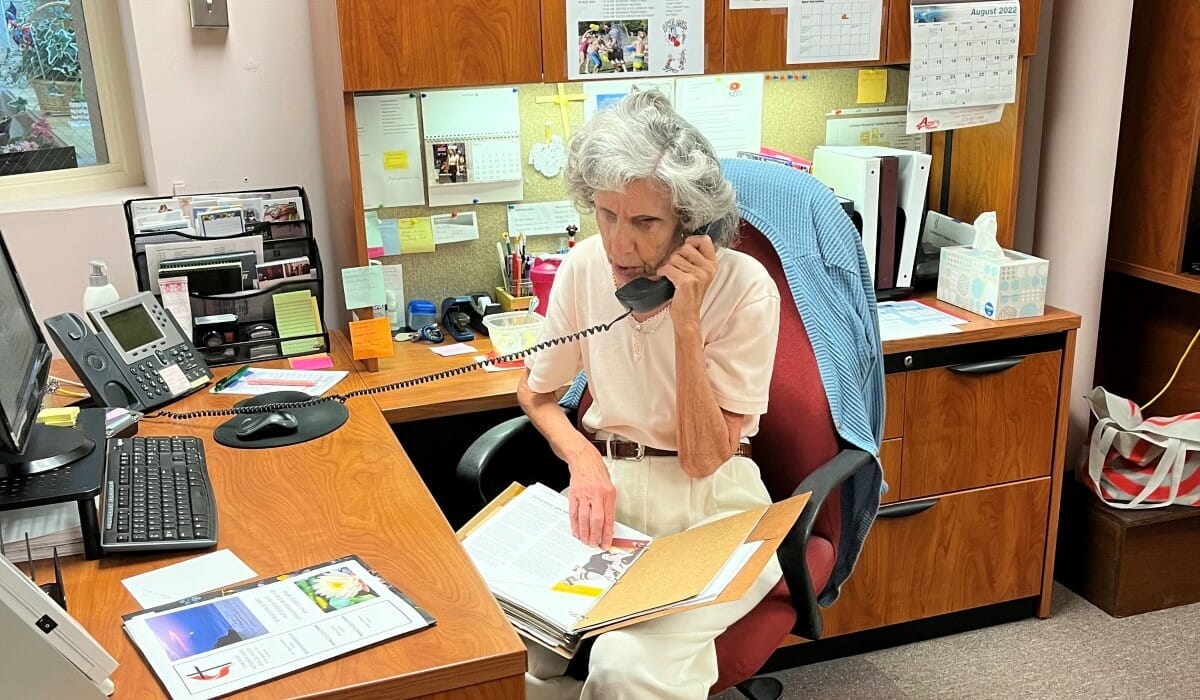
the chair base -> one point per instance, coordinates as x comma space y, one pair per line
761, 688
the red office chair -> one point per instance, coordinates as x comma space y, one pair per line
797, 449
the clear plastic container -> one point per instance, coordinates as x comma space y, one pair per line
514, 331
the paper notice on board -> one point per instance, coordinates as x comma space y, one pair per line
542, 218
964, 54
389, 150
833, 31
416, 235
455, 227
603, 93
727, 109
623, 38
872, 126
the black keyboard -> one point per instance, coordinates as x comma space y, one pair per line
157, 496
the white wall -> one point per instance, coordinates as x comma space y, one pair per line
219, 110
1085, 86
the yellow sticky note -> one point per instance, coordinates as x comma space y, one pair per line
395, 160
371, 338
64, 417
416, 235
296, 315
872, 86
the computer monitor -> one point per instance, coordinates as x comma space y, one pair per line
26, 446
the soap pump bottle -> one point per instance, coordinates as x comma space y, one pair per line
100, 291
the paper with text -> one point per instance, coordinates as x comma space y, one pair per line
727, 109
261, 380
623, 38
371, 338
454, 227
472, 146
542, 218
416, 235
963, 54
187, 578
363, 286
872, 126
389, 150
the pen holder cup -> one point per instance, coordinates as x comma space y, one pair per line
514, 331
514, 302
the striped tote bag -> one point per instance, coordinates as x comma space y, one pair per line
1136, 462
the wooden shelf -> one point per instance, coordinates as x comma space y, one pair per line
1177, 280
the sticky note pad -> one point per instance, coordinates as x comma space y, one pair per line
395, 160
64, 417
371, 338
295, 315
310, 362
364, 286
872, 86
416, 235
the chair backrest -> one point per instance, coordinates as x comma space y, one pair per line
796, 435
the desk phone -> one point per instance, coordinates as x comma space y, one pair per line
137, 358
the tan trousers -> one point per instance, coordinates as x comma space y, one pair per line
672, 656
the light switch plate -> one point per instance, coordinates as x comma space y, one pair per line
210, 14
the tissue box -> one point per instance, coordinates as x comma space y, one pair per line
998, 289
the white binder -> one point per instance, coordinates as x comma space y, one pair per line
854, 174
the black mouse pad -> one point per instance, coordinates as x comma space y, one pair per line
313, 421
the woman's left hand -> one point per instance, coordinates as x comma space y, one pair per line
691, 269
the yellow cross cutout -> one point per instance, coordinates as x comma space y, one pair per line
562, 99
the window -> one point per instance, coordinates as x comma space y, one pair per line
66, 122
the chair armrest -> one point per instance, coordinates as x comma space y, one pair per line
792, 552
510, 451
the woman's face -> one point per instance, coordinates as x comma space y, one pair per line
638, 227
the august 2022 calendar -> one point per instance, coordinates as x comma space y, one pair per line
964, 54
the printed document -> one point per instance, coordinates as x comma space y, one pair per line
389, 150
727, 109
223, 641
634, 38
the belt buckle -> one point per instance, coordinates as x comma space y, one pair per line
641, 450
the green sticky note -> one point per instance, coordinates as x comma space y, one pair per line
364, 286
296, 315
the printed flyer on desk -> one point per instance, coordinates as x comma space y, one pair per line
220, 642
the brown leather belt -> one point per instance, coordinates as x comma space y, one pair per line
617, 448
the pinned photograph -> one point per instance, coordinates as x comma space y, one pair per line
450, 162
613, 46
289, 209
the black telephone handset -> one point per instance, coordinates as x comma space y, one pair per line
138, 358
643, 295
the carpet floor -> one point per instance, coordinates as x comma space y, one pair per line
1079, 652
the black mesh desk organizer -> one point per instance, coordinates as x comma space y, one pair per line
282, 240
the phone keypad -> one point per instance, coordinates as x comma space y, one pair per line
148, 379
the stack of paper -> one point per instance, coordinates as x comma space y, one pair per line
51, 526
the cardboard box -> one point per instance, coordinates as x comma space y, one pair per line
976, 281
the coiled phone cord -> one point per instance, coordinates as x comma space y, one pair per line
402, 384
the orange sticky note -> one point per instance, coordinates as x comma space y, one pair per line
371, 338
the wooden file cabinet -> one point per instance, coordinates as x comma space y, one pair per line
972, 454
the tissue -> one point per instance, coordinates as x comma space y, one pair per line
989, 280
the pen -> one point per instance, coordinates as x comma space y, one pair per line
221, 384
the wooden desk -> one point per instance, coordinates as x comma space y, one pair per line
471, 392
352, 491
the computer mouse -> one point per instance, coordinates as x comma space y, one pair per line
267, 425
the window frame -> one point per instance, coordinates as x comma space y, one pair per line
124, 169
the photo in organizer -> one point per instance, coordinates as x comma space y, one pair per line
450, 162
613, 46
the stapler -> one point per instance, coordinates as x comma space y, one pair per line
481, 305
455, 318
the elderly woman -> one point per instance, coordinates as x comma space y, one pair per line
677, 390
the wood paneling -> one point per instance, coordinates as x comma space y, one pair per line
967, 430
985, 165
1160, 129
862, 604
1144, 329
890, 452
1058, 472
554, 39
352, 491
899, 34
756, 40
389, 45
893, 417
1178, 280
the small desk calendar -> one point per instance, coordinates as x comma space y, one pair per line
964, 54
472, 145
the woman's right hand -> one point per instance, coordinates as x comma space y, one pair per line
592, 497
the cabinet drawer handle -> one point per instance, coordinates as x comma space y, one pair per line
987, 366
904, 510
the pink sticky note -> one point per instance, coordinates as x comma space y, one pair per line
311, 362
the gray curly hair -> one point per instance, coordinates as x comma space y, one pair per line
642, 138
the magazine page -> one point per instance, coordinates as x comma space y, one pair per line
530, 559
220, 642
